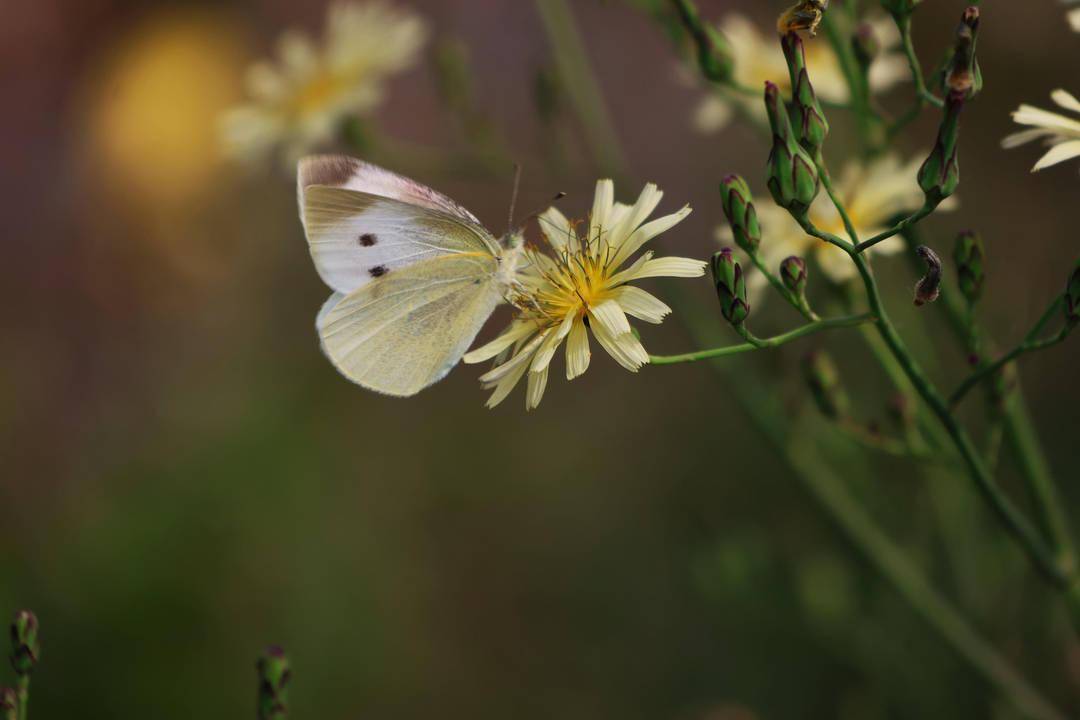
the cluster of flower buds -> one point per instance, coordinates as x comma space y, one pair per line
823, 379
969, 256
25, 648
274, 675
730, 286
792, 178
940, 173
813, 127
739, 209
713, 51
1072, 297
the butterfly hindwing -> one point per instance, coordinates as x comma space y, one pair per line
408, 328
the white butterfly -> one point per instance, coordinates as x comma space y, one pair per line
414, 274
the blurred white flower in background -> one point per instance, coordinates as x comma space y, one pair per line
301, 101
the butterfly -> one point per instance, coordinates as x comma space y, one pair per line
415, 275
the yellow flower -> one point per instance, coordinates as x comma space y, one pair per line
759, 58
301, 103
873, 195
1060, 132
578, 287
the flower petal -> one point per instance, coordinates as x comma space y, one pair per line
1029, 115
1024, 136
504, 386
520, 359
1066, 100
1058, 154
556, 228
635, 302
646, 203
547, 351
516, 331
534, 392
609, 315
603, 201
661, 267
646, 233
625, 348
577, 351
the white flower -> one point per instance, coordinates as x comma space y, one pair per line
873, 195
759, 58
301, 103
579, 288
1059, 132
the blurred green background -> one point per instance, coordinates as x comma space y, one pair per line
184, 479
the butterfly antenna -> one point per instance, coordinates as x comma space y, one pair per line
513, 197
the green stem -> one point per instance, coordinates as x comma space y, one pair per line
22, 691
895, 229
992, 368
775, 341
1022, 530
568, 50
922, 92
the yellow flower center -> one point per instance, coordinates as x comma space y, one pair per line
574, 281
316, 94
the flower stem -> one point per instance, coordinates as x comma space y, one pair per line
800, 304
1028, 345
922, 92
22, 691
895, 229
762, 343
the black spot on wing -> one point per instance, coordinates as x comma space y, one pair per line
378, 271
367, 240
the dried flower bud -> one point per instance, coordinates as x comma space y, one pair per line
940, 172
813, 128
714, 54
730, 286
792, 177
968, 254
1072, 296
865, 44
928, 288
25, 648
803, 15
274, 675
793, 274
739, 208
823, 379
962, 74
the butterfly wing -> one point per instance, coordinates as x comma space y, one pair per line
407, 329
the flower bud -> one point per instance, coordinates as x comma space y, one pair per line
1072, 296
792, 176
928, 288
823, 379
25, 648
968, 254
940, 172
900, 8
813, 128
865, 45
793, 275
739, 208
715, 58
730, 287
962, 74
274, 675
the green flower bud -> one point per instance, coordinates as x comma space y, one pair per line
25, 648
730, 287
865, 45
792, 177
714, 54
793, 275
274, 675
940, 172
901, 8
739, 208
1072, 296
813, 128
968, 254
962, 74
823, 379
